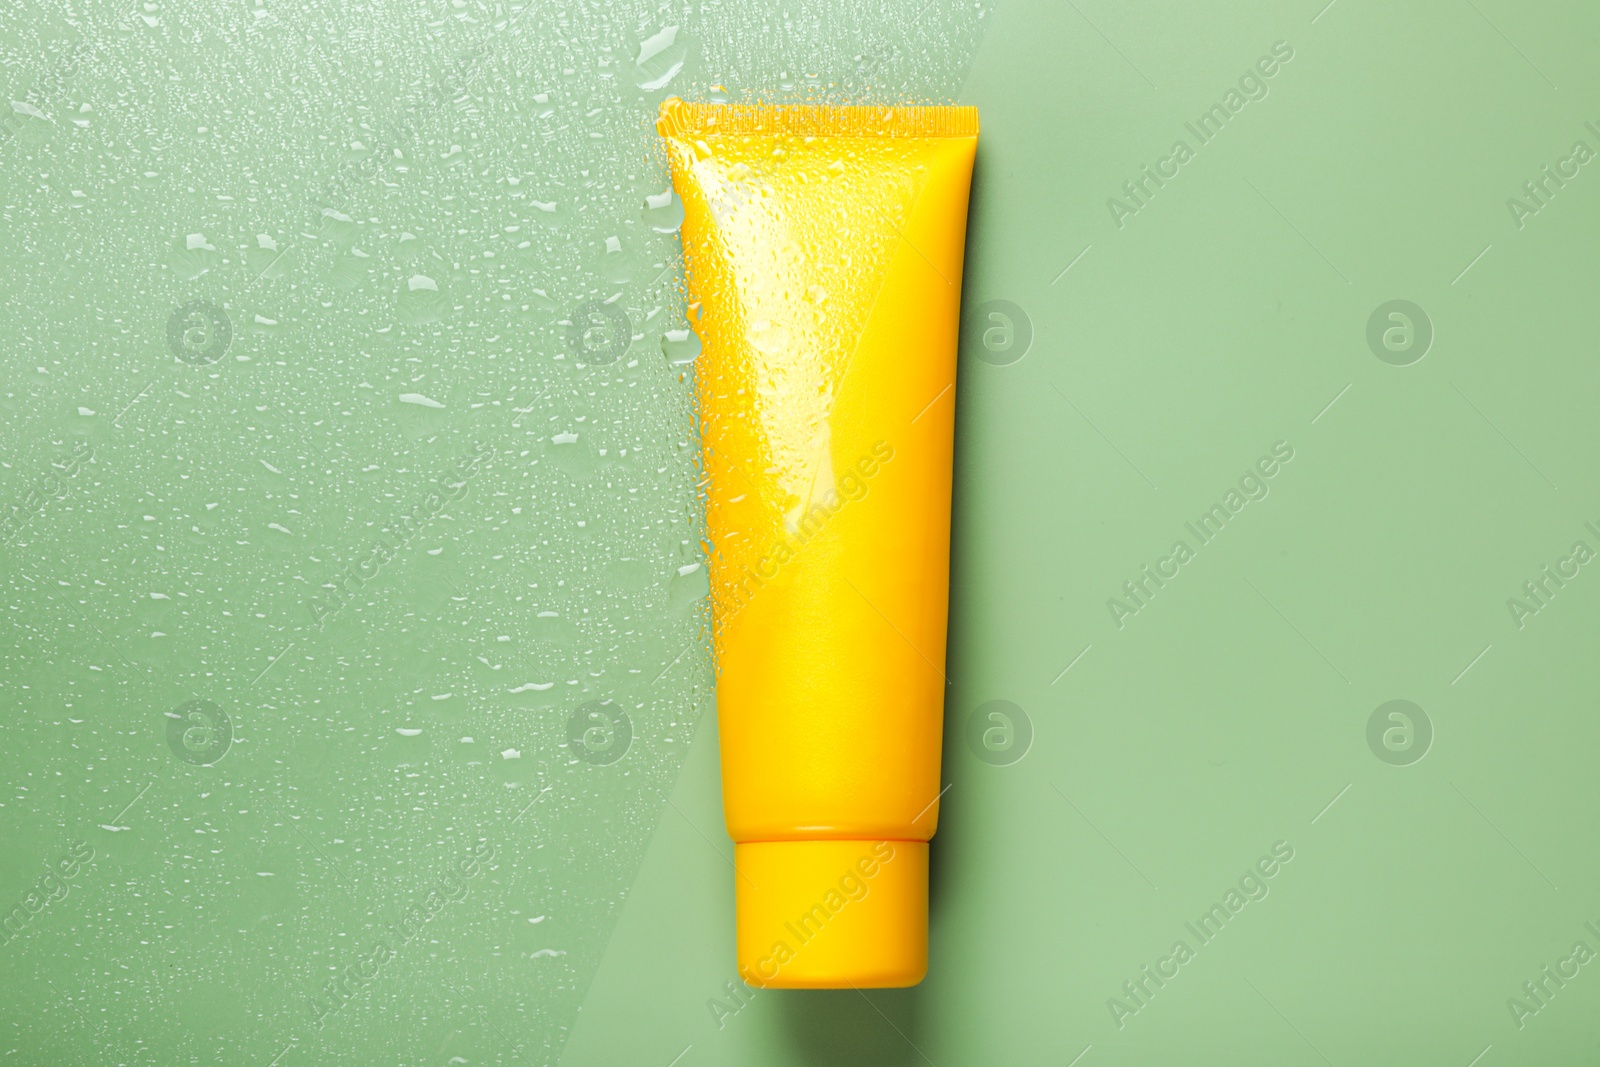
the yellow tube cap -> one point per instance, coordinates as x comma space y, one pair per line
832, 914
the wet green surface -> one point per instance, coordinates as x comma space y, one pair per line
352, 656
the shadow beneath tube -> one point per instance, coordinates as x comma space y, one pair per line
851, 1028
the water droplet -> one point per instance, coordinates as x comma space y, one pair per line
266, 257
768, 337
422, 302
197, 256
681, 346
663, 212
661, 57
549, 213
688, 587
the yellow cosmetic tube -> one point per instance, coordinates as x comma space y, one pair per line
823, 247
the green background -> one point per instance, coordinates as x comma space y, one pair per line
405, 214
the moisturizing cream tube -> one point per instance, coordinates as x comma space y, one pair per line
823, 248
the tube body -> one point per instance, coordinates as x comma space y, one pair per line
824, 250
